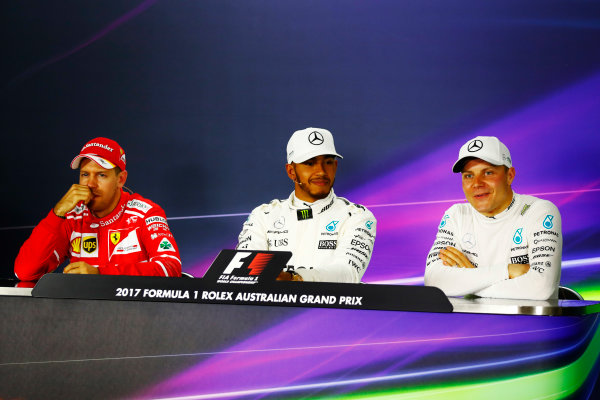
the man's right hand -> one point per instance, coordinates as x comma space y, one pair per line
288, 276
76, 194
516, 270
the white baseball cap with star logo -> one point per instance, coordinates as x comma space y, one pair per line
486, 148
308, 143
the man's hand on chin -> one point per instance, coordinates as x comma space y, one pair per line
76, 194
80, 267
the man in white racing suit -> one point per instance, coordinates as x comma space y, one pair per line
499, 244
331, 239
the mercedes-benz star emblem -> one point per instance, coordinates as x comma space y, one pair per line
475, 145
316, 138
279, 223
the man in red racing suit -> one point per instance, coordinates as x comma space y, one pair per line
99, 227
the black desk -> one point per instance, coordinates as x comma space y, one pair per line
56, 348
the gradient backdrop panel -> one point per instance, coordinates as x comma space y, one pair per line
204, 94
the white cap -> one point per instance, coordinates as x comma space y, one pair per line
486, 148
308, 143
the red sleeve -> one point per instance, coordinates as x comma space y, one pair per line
46, 248
158, 241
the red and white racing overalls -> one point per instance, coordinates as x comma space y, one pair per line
134, 239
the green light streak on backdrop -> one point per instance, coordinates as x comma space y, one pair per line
550, 385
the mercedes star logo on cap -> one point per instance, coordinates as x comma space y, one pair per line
316, 138
475, 145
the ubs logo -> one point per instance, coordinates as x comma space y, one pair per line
90, 244
280, 242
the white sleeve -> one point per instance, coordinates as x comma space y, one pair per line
543, 230
454, 281
353, 252
254, 235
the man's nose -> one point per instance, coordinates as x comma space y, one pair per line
319, 168
92, 182
477, 180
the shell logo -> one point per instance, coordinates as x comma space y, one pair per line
76, 245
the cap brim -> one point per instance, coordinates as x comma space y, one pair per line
310, 155
459, 164
98, 160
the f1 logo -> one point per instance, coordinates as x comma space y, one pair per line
256, 266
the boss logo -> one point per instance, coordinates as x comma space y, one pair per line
524, 259
327, 244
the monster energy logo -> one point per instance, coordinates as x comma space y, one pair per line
304, 214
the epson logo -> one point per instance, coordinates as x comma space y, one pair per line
543, 248
360, 244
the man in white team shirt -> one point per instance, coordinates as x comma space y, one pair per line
501, 244
331, 239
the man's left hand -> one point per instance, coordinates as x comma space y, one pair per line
80, 267
455, 258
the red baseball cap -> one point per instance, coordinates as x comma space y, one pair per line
105, 152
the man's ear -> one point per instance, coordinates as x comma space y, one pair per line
121, 179
291, 173
510, 175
